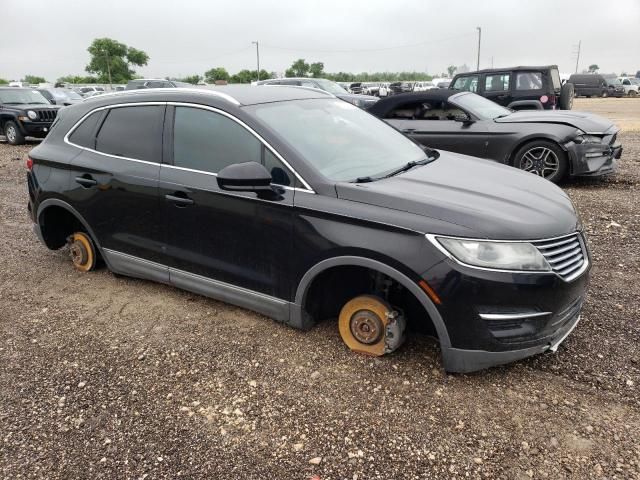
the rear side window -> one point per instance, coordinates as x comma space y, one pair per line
85, 134
498, 82
529, 81
132, 132
207, 141
467, 84
555, 78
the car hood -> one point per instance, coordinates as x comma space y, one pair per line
587, 122
489, 199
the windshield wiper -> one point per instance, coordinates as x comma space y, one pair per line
409, 166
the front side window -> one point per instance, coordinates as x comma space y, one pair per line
497, 83
341, 141
529, 81
132, 132
479, 106
208, 141
467, 84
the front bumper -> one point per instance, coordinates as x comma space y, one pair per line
593, 159
35, 129
496, 317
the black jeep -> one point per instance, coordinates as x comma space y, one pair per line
519, 88
25, 113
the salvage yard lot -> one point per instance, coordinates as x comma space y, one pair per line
111, 377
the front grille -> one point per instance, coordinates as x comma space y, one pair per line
46, 115
566, 255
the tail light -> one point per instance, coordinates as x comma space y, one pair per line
29, 163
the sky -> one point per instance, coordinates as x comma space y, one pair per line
185, 37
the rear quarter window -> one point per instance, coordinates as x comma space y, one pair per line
529, 81
85, 134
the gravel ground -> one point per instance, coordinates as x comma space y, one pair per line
109, 377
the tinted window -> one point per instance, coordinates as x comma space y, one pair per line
497, 83
85, 134
469, 84
207, 141
528, 81
134, 132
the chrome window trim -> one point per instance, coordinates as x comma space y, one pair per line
433, 240
307, 188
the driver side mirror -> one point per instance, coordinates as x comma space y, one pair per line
464, 119
245, 177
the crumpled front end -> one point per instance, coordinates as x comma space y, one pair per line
597, 156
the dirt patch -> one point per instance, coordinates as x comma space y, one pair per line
109, 377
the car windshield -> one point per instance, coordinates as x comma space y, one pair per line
73, 95
340, 140
331, 87
479, 106
613, 81
60, 94
26, 97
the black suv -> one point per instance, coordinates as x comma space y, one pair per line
24, 113
519, 88
300, 206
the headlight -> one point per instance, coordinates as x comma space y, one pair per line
496, 255
582, 137
32, 115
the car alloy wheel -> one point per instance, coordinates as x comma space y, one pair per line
11, 133
541, 161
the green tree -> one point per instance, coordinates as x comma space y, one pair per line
316, 69
593, 68
192, 79
34, 79
3, 81
77, 79
112, 58
451, 70
217, 73
299, 68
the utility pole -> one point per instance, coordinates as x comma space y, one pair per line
257, 57
491, 61
578, 54
479, 39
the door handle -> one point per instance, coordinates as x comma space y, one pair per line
86, 181
180, 199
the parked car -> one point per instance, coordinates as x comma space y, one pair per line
371, 88
140, 83
631, 86
87, 91
300, 206
589, 85
638, 74
359, 100
616, 89
24, 113
60, 96
356, 88
400, 87
423, 86
17, 84
444, 84
384, 89
552, 145
518, 88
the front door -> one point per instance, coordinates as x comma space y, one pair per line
497, 88
235, 238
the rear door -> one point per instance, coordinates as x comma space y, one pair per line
236, 238
116, 177
497, 87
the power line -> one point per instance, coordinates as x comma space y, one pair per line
362, 50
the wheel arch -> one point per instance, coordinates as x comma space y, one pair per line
300, 319
56, 203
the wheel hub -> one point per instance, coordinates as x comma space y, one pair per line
79, 254
366, 327
11, 133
